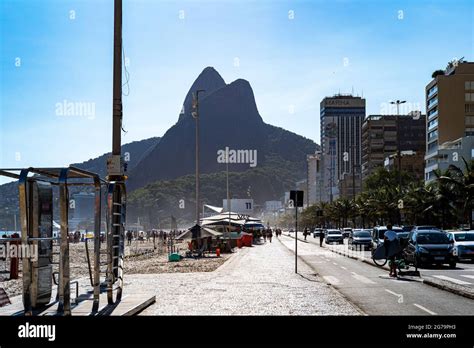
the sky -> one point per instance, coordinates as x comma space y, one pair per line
56, 63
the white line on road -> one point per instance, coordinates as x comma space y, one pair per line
393, 293
425, 309
454, 280
362, 278
334, 263
470, 276
331, 280
343, 267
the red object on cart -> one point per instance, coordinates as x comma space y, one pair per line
239, 243
247, 239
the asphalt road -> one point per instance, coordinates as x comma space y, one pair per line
463, 274
373, 291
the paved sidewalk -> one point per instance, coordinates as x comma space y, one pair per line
255, 281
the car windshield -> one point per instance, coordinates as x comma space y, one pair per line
334, 232
432, 238
464, 237
361, 234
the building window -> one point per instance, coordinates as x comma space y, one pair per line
469, 97
432, 90
469, 131
432, 102
432, 147
432, 124
469, 108
469, 85
434, 111
470, 121
432, 135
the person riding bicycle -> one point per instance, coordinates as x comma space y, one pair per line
392, 247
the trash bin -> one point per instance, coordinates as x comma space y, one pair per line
218, 252
174, 257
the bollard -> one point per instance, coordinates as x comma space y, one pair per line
14, 260
218, 252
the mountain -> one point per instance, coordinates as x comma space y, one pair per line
134, 152
228, 117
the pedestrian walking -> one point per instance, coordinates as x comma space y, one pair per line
270, 234
305, 233
321, 238
264, 236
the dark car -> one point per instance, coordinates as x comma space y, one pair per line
333, 236
429, 247
360, 239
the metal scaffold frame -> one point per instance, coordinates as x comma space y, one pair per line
31, 235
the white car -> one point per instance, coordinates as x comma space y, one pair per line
463, 244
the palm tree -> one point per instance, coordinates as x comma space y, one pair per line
462, 183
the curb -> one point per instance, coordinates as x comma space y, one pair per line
444, 285
430, 281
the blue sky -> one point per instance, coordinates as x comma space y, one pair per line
53, 51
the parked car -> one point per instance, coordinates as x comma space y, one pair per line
378, 234
463, 242
333, 236
360, 238
425, 227
346, 232
317, 232
430, 246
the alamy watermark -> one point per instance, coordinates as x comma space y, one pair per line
22, 251
237, 156
69, 108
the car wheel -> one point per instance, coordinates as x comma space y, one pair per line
452, 264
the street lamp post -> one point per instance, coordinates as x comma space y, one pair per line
399, 156
195, 115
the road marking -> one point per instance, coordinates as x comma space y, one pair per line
362, 278
393, 293
467, 276
343, 267
453, 280
425, 309
334, 263
331, 280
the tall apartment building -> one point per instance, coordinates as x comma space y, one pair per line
450, 115
314, 181
380, 140
341, 125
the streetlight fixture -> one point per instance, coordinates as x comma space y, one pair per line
195, 115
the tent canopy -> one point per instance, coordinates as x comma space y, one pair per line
205, 232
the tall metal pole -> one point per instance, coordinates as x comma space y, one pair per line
117, 84
399, 156
296, 235
227, 179
195, 114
